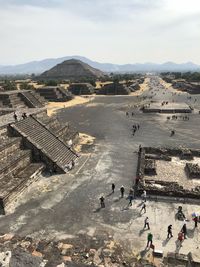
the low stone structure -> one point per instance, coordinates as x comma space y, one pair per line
55, 93
193, 170
160, 173
81, 89
167, 108
114, 89
185, 86
21, 99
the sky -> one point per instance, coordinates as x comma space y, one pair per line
115, 31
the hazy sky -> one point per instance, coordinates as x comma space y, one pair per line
116, 31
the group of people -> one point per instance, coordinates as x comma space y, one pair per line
175, 117
135, 127
131, 113
122, 191
182, 234
24, 116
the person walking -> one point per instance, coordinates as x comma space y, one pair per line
146, 223
130, 199
180, 238
143, 208
15, 116
195, 221
184, 231
149, 240
169, 231
122, 191
102, 203
113, 188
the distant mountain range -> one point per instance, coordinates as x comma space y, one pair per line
37, 67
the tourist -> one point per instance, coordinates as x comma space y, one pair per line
143, 208
172, 132
149, 240
184, 230
113, 187
102, 203
195, 221
122, 191
144, 196
130, 199
180, 238
169, 231
73, 164
146, 223
24, 116
15, 116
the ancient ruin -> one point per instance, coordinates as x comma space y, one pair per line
31, 144
170, 172
72, 69
55, 93
81, 89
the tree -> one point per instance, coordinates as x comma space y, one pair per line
51, 83
9, 85
26, 86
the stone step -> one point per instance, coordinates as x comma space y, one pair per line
31, 100
44, 140
39, 97
12, 186
15, 162
9, 146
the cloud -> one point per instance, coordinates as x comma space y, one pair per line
119, 31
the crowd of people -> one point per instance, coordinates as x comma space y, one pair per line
182, 234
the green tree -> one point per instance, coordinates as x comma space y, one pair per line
9, 85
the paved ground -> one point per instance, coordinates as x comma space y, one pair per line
63, 206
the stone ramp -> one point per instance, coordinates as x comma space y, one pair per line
63, 132
30, 99
53, 149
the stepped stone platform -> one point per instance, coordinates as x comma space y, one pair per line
169, 173
45, 144
65, 133
81, 89
19, 99
30, 146
32, 99
167, 108
114, 89
17, 168
55, 94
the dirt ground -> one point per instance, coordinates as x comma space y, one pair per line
53, 107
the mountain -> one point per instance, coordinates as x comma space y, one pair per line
71, 69
39, 67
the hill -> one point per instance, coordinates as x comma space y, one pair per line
72, 69
39, 67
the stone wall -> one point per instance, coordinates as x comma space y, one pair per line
162, 188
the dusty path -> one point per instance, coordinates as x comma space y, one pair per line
53, 107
